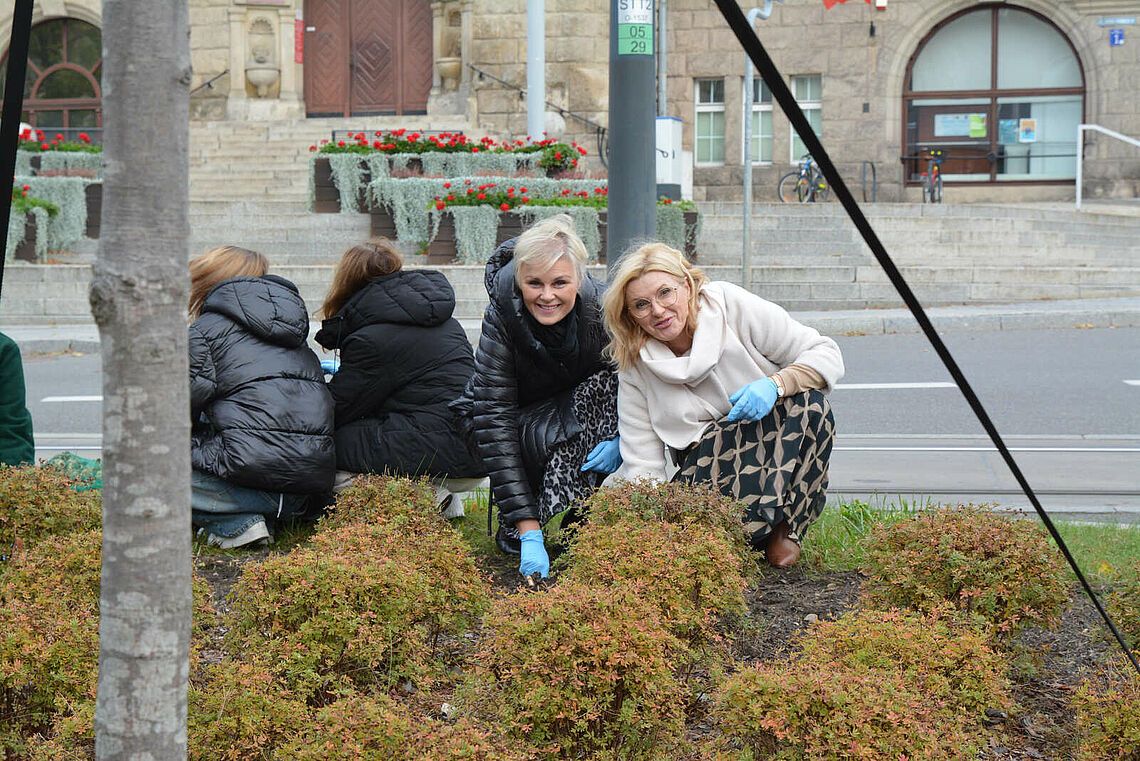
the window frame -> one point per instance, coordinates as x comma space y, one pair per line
805, 106
914, 167
759, 107
710, 107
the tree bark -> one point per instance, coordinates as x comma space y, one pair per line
138, 298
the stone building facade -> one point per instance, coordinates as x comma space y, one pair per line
999, 86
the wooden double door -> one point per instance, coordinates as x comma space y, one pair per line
367, 57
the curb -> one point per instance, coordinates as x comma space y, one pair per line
1057, 315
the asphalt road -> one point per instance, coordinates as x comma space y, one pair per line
1061, 398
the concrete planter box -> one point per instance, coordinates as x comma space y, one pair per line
326, 197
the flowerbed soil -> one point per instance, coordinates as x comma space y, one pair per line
1048, 663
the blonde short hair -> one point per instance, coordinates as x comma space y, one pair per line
627, 336
544, 243
218, 265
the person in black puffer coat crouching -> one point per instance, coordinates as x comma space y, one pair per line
262, 419
402, 359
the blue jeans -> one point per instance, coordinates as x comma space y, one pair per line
226, 509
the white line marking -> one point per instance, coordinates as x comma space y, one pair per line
887, 386
72, 399
1133, 382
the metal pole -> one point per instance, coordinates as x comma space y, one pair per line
1080, 159
632, 213
746, 232
536, 68
662, 58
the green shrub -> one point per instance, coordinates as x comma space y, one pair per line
72, 735
676, 503
39, 502
995, 568
379, 728
691, 573
1124, 606
1108, 714
49, 634
580, 670
375, 500
239, 710
363, 607
869, 685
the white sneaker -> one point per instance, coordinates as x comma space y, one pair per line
258, 533
451, 507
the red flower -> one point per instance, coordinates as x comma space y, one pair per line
413, 137
40, 135
26, 188
558, 155
440, 205
45, 147
524, 200
574, 162
377, 144
504, 207
566, 191
450, 197
667, 201
399, 132
26, 133
481, 196
340, 143
522, 190
84, 137
312, 147
447, 185
474, 150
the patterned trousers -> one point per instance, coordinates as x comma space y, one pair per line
776, 466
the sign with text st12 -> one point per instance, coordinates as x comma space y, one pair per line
634, 27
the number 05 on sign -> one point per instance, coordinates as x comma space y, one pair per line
635, 27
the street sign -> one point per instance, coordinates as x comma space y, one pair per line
635, 27
1115, 38
1116, 21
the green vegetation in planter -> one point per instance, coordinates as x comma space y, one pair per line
671, 227
577, 671
1001, 570
378, 727
585, 221
79, 163
476, 231
553, 155
1107, 706
348, 176
36, 503
17, 232
69, 195
869, 685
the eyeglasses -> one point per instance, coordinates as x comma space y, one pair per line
666, 296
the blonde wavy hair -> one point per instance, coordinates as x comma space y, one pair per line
627, 337
218, 265
359, 266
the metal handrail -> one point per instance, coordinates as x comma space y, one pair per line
1081, 128
599, 130
874, 181
209, 83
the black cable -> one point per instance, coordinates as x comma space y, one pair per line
10, 115
771, 75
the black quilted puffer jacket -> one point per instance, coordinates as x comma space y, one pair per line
521, 396
262, 417
403, 358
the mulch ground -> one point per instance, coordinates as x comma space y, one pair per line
1048, 663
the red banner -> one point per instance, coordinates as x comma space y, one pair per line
298, 40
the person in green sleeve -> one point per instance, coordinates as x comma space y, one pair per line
16, 445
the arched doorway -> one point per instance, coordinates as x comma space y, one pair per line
999, 89
65, 64
367, 57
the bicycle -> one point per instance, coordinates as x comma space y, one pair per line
805, 185
932, 177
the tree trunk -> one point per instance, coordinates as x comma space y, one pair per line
138, 298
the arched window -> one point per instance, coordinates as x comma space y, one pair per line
65, 64
1001, 91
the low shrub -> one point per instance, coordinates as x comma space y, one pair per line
49, 634
682, 504
363, 607
580, 672
72, 735
691, 573
378, 727
988, 566
1124, 606
869, 685
375, 500
38, 502
1107, 705
239, 710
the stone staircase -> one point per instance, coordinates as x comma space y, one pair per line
249, 187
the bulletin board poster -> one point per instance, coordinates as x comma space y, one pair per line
1027, 131
960, 125
1007, 131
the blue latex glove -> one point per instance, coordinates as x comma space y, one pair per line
754, 401
330, 366
532, 555
605, 457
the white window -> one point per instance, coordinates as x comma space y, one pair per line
808, 90
761, 151
710, 121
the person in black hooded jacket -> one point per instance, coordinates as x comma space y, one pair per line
262, 419
543, 400
403, 358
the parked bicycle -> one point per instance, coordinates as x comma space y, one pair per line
932, 177
805, 185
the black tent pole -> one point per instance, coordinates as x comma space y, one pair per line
10, 116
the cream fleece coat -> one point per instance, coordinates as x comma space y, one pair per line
669, 401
